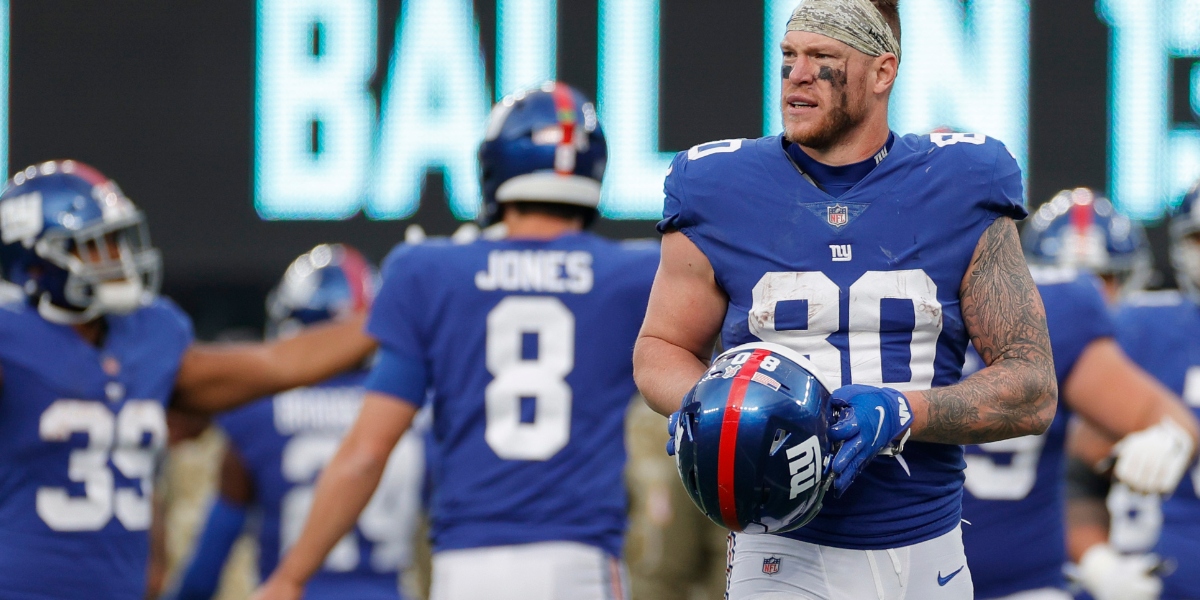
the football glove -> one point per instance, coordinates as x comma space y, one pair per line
1109, 575
869, 420
1153, 460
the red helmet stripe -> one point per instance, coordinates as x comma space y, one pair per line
354, 266
1081, 217
564, 105
727, 451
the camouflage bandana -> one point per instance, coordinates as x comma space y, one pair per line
856, 23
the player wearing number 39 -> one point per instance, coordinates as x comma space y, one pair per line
279, 444
88, 362
879, 257
524, 345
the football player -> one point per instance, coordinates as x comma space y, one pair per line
877, 256
89, 360
1014, 488
1161, 332
524, 344
279, 444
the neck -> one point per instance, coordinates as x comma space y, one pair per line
537, 226
858, 145
92, 332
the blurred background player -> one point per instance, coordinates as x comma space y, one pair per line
523, 339
1013, 496
1161, 332
279, 445
89, 361
673, 551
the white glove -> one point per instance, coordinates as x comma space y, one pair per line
1153, 460
1109, 575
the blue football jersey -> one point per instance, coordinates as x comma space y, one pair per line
1161, 332
80, 431
1013, 496
527, 348
865, 285
284, 442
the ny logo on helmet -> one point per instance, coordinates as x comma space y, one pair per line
804, 458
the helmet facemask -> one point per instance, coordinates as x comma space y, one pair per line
110, 268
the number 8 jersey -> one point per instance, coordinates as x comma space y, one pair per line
527, 348
865, 285
80, 429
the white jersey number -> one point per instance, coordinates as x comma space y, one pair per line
1136, 519
823, 298
988, 479
389, 518
541, 378
89, 465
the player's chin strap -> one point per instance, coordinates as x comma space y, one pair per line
65, 316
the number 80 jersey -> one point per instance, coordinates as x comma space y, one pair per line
80, 429
527, 349
865, 285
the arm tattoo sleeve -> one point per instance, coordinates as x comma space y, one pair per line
1016, 393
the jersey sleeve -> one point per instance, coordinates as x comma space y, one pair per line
676, 216
400, 369
1007, 197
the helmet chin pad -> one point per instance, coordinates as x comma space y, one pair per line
119, 297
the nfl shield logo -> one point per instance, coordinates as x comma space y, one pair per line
838, 215
771, 565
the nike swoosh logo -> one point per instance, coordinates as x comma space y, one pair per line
879, 427
944, 580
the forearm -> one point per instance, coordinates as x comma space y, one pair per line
217, 377
1087, 525
343, 490
1011, 398
664, 372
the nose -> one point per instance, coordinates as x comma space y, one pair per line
799, 72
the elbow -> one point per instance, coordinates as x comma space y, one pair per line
1047, 407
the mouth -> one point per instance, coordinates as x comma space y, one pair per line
799, 103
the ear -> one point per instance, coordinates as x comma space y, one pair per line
884, 68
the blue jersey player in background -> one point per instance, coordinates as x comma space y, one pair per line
278, 446
879, 257
90, 358
1013, 501
1161, 332
524, 341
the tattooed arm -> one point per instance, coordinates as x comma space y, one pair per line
1016, 394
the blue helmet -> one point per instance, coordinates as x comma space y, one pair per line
326, 282
1080, 229
542, 145
751, 444
76, 245
1185, 248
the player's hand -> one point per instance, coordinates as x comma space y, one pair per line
672, 425
869, 419
1109, 575
278, 588
1153, 460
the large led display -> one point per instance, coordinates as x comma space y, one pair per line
1154, 146
322, 153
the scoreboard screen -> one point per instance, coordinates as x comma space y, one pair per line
249, 130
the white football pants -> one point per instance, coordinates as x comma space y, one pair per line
540, 571
770, 567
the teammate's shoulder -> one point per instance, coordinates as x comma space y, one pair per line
1145, 300
957, 146
162, 316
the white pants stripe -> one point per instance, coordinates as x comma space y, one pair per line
541, 571
767, 567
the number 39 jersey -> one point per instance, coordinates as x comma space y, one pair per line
1014, 489
866, 285
284, 442
527, 349
1161, 333
80, 429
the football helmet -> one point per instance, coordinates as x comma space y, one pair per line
751, 442
1080, 229
75, 244
1185, 247
328, 281
542, 145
